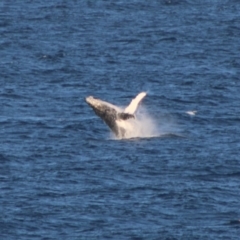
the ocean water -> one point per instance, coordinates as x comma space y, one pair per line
62, 173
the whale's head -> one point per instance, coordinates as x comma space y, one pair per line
93, 102
106, 111
101, 108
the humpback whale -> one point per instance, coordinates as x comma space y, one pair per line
119, 120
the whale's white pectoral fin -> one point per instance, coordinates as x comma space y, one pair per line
132, 107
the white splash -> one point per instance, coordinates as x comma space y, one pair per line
191, 113
142, 126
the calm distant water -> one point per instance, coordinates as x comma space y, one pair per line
63, 175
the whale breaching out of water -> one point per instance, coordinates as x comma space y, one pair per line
121, 121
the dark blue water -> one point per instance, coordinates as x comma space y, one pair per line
63, 175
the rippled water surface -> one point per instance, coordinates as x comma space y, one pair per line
63, 175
